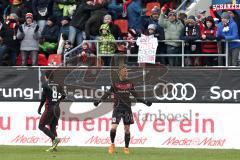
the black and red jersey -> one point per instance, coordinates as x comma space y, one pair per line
122, 91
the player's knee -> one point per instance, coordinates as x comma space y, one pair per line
127, 131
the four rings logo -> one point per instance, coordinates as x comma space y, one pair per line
178, 91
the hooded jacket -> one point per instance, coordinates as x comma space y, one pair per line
106, 45
230, 34
209, 47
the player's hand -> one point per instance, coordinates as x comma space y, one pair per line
96, 103
148, 103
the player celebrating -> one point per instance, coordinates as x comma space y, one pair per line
122, 89
51, 113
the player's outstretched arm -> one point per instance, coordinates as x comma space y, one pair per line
137, 97
105, 96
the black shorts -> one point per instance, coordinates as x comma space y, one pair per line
125, 114
50, 115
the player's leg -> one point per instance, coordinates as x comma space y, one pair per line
127, 120
53, 126
44, 120
127, 138
115, 121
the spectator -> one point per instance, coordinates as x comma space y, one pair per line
79, 19
106, 45
62, 8
25, 8
182, 17
49, 37
201, 18
228, 30
29, 35
94, 23
173, 29
209, 33
115, 30
42, 9
2, 45
106, 40
190, 34
10, 37
153, 19
84, 55
134, 11
115, 8
3, 5
64, 30
15, 5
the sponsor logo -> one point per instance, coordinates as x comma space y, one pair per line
178, 91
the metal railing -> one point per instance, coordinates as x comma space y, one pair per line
182, 55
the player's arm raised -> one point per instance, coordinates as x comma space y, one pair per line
105, 96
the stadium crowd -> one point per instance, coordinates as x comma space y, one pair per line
33, 30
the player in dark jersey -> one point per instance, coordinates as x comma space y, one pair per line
51, 113
122, 89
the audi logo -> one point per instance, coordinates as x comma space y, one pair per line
176, 91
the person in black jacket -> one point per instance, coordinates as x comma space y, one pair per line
49, 37
10, 37
2, 45
42, 9
79, 19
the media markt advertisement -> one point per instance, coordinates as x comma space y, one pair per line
188, 125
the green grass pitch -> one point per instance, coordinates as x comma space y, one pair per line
95, 153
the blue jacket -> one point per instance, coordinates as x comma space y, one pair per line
134, 11
232, 34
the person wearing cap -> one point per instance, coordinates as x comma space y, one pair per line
29, 35
49, 36
10, 37
190, 34
173, 29
64, 29
209, 32
228, 30
106, 45
24, 8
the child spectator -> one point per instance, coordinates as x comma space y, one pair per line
106, 45
209, 33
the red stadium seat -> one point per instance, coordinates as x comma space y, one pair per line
150, 6
122, 24
42, 60
54, 59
